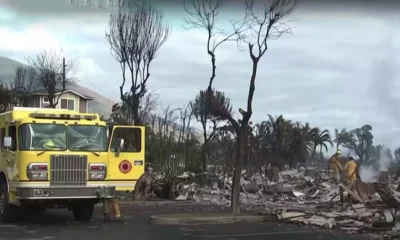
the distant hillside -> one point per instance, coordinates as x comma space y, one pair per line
7, 67
101, 105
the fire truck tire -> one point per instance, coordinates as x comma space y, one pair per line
8, 213
83, 212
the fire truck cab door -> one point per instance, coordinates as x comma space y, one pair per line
126, 156
9, 154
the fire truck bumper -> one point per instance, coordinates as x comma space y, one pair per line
99, 192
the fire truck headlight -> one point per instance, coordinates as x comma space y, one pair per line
97, 171
37, 171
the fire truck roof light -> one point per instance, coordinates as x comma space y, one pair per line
62, 116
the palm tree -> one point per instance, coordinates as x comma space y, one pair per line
321, 139
310, 134
262, 139
301, 141
276, 137
340, 137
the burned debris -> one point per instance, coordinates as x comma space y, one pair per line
304, 196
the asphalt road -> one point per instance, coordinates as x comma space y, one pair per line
59, 224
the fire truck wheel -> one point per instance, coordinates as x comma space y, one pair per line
8, 213
83, 212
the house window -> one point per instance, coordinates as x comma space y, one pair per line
46, 99
68, 104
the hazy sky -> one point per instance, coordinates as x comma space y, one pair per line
337, 70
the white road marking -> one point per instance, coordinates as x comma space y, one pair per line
251, 234
9, 226
17, 238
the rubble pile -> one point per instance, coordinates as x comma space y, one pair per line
256, 190
303, 196
349, 218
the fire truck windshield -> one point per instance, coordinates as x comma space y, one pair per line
58, 137
87, 138
42, 137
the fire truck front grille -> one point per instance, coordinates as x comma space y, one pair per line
68, 170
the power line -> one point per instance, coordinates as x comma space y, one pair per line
99, 90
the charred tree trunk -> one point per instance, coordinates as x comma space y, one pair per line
136, 105
235, 204
204, 153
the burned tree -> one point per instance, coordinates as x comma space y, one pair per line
5, 98
260, 24
52, 73
122, 112
135, 37
264, 22
23, 85
208, 121
204, 14
97, 4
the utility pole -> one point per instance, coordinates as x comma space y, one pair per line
63, 72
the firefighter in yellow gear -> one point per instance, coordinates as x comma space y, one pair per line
334, 164
113, 202
351, 170
351, 175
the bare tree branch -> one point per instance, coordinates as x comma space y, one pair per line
97, 4
266, 22
5, 98
48, 65
24, 84
204, 14
122, 112
135, 36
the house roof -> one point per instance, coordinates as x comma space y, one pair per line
59, 91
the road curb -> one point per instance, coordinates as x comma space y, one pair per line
197, 219
161, 203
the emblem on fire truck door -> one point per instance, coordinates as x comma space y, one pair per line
125, 166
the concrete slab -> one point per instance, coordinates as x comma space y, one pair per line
217, 218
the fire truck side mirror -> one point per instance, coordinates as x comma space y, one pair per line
120, 145
7, 142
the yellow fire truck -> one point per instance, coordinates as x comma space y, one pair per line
59, 158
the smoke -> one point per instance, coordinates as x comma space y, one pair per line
384, 159
371, 174
368, 174
384, 88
